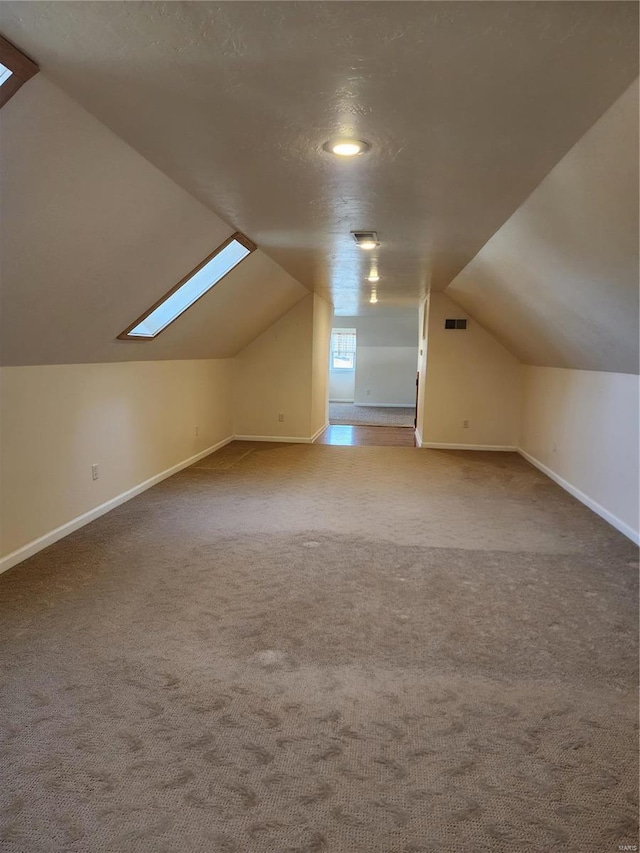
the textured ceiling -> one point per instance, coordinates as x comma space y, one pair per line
558, 283
92, 235
467, 106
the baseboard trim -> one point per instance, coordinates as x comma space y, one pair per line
285, 439
342, 401
43, 542
385, 405
436, 445
609, 517
319, 432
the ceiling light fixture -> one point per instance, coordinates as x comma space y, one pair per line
374, 297
346, 147
373, 276
366, 239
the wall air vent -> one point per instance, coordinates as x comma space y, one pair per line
455, 324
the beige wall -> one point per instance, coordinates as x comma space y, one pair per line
138, 419
322, 320
284, 371
134, 420
466, 376
582, 427
272, 376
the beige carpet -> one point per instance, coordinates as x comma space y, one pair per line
349, 414
312, 648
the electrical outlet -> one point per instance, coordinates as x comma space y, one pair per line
281, 418
368, 391
197, 430
94, 472
465, 424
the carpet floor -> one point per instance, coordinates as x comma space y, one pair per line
349, 414
309, 648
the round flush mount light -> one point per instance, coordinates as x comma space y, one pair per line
373, 277
346, 147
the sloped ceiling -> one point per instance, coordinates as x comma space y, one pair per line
468, 105
558, 283
92, 235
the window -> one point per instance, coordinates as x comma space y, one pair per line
15, 69
343, 349
198, 282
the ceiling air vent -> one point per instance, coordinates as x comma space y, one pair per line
455, 324
366, 239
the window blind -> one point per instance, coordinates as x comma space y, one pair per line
343, 342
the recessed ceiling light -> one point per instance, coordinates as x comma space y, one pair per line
374, 297
346, 147
366, 239
373, 277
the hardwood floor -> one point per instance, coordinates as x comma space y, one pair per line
353, 436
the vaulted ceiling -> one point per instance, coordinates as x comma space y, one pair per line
202, 118
92, 235
558, 283
467, 106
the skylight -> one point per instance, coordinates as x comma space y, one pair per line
15, 70
190, 289
5, 73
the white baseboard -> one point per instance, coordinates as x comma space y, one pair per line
319, 432
42, 542
411, 405
285, 439
416, 432
612, 519
341, 400
436, 445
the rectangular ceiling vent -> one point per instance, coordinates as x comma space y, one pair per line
366, 239
455, 324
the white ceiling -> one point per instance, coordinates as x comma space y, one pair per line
467, 106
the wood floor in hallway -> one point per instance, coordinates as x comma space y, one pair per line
373, 436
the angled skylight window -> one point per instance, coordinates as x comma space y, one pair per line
15, 69
193, 286
5, 73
